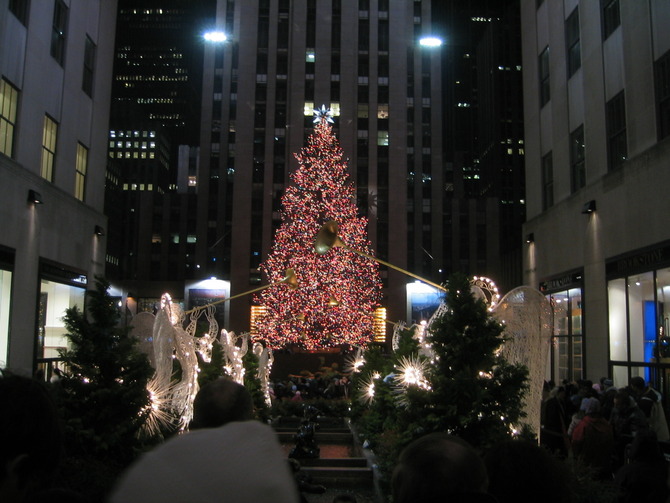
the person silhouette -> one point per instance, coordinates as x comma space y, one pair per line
439, 467
225, 457
31, 438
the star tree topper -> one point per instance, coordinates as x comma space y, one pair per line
323, 113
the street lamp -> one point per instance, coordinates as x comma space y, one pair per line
430, 41
215, 36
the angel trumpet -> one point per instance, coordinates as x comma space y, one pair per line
327, 238
290, 279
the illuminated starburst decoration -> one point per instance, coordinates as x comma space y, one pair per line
367, 388
412, 372
354, 362
159, 416
323, 113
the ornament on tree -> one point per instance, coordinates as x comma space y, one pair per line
339, 291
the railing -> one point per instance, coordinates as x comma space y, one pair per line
47, 369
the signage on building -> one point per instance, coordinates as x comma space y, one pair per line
60, 274
638, 262
562, 282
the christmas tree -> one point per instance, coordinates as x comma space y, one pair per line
103, 394
450, 379
338, 291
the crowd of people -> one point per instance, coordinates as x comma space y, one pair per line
616, 433
300, 388
228, 456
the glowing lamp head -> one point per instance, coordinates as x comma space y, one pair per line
430, 41
215, 36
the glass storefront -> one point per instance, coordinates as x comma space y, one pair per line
6, 267
5, 295
639, 315
60, 289
638, 296
55, 298
564, 293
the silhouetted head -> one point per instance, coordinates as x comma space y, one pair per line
638, 384
30, 437
645, 447
436, 466
219, 402
523, 472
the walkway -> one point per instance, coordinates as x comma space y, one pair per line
341, 467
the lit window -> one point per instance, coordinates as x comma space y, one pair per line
9, 96
81, 166
335, 109
308, 109
310, 57
383, 138
382, 111
49, 136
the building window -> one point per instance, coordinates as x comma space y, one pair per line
49, 137
6, 268
547, 181
58, 31
567, 359
81, 166
9, 97
577, 159
544, 77
662, 81
639, 304
89, 65
572, 42
382, 111
617, 150
20, 9
51, 332
383, 138
610, 17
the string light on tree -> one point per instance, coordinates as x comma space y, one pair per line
486, 289
308, 316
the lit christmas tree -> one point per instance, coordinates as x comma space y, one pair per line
338, 291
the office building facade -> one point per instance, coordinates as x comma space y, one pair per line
55, 83
596, 89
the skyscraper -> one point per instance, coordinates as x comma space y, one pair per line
283, 59
155, 110
437, 164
